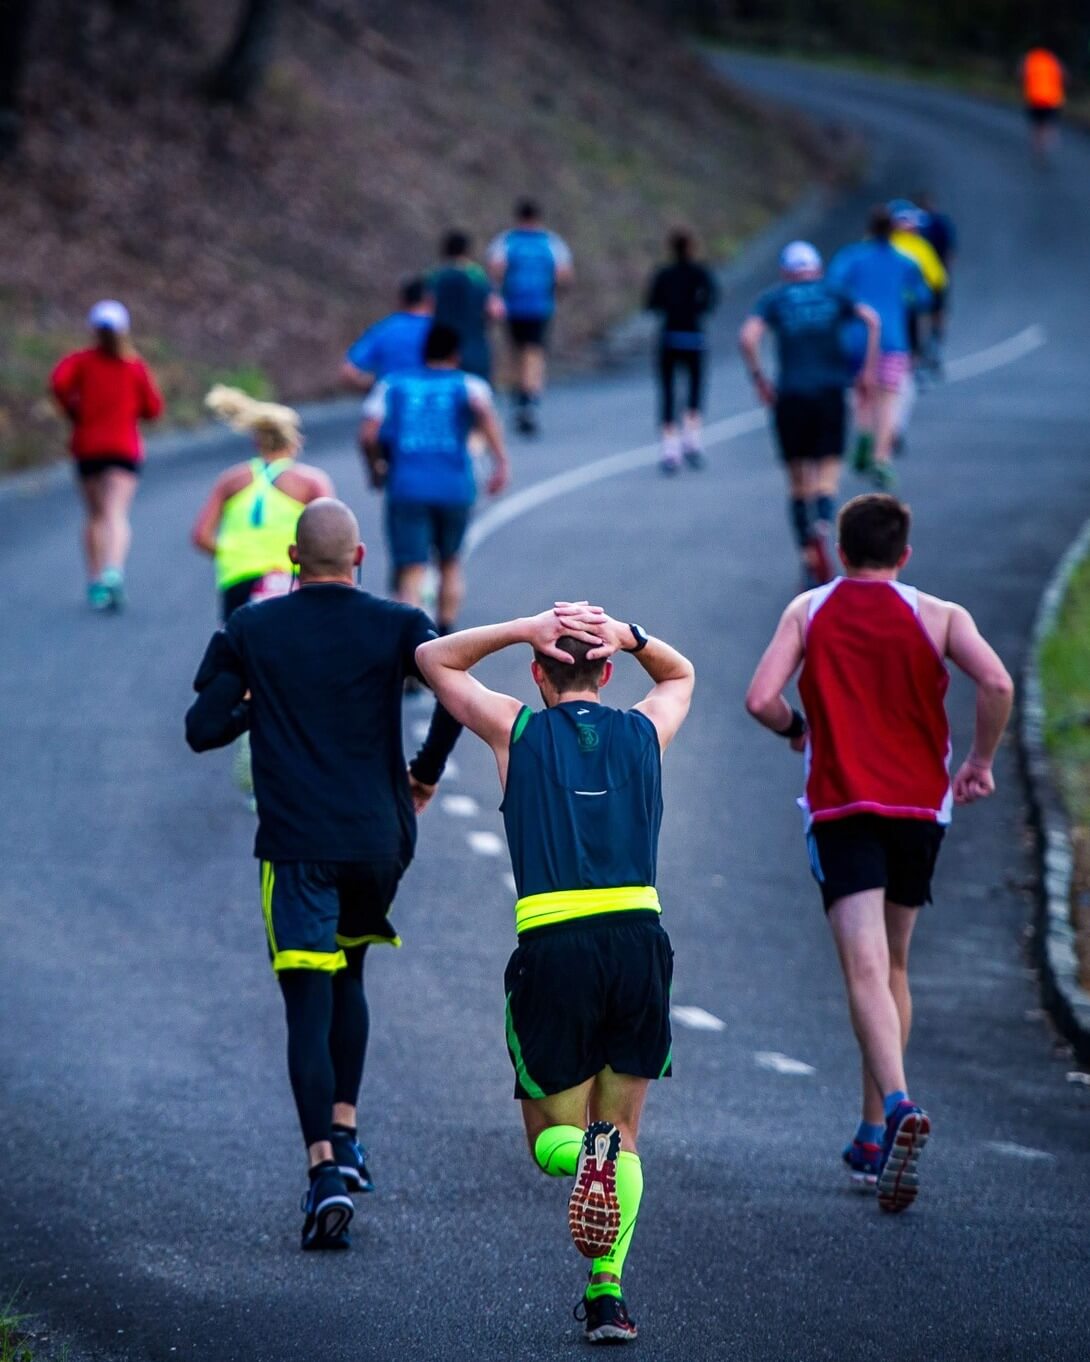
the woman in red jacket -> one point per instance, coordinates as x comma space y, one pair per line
105, 391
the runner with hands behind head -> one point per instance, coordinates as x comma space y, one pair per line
588, 1008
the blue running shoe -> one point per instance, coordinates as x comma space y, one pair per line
908, 1129
98, 597
328, 1209
351, 1160
862, 1162
114, 582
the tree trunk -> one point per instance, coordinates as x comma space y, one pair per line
243, 66
14, 27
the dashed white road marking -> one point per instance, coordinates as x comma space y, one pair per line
460, 805
719, 432
783, 1064
485, 843
697, 1018
1020, 1151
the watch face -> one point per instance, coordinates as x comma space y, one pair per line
639, 634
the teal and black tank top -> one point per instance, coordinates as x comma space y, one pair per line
582, 811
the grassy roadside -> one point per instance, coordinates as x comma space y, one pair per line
16, 1344
1065, 681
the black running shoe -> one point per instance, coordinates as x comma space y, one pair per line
328, 1209
594, 1213
351, 1160
606, 1320
695, 458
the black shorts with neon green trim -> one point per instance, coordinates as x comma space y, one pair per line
586, 994
315, 909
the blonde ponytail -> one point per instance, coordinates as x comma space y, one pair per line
274, 427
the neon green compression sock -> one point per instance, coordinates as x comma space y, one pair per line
557, 1150
629, 1194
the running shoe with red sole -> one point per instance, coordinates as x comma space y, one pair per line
907, 1131
594, 1213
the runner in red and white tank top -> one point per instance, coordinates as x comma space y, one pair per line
874, 688
878, 791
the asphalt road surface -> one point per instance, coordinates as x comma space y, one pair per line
148, 1205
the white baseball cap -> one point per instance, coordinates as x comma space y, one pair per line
109, 315
799, 257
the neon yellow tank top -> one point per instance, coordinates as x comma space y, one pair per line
256, 527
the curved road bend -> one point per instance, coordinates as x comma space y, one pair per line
151, 1164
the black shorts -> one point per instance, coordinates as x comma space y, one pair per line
690, 363
1042, 113
811, 425
237, 594
528, 330
585, 994
415, 528
89, 468
314, 909
864, 851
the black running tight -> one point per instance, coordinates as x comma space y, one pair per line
328, 1023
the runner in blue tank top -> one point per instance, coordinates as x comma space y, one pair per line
529, 263
588, 987
415, 439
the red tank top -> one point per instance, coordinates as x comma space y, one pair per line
874, 689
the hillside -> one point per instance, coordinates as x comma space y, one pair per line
254, 244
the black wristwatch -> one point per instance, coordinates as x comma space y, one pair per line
642, 639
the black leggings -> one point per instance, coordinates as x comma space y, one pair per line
692, 362
328, 1023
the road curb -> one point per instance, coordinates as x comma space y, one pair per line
1067, 1002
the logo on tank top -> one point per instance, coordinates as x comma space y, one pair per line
588, 737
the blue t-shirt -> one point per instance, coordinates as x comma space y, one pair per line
807, 318
530, 257
876, 273
426, 417
396, 342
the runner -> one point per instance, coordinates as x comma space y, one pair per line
588, 1013
530, 264
683, 293
248, 522
316, 677
807, 316
940, 231
414, 437
396, 342
878, 791
105, 391
463, 298
1043, 81
907, 237
875, 273
249, 519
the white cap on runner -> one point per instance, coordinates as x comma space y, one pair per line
109, 315
799, 257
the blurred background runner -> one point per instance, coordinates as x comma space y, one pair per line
396, 342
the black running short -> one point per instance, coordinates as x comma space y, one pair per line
101, 463
1042, 113
811, 425
314, 909
864, 851
528, 330
236, 595
585, 994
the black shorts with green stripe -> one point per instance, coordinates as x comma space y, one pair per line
585, 994
314, 910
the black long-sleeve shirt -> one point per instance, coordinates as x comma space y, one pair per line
325, 668
683, 294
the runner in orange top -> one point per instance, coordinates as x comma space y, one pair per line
1043, 92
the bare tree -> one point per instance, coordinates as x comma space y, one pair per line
15, 16
242, 67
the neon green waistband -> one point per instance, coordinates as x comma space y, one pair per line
567, 905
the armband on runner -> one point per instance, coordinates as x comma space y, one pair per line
795, 729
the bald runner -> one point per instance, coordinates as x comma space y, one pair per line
316, 677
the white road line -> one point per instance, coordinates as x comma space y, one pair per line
783, 1064
719, 432
509, 881
996, 356
1078, 1076
485, 843
419, 730
460, 806
697, 1018
1019, 1151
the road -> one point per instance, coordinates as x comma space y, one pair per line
151, 1170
